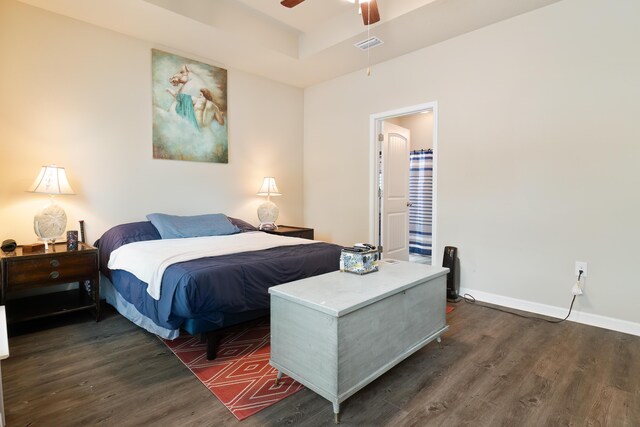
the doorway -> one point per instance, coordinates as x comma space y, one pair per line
403, 182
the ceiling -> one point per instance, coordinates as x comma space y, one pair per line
308, 44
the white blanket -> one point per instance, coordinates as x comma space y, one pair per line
149, 259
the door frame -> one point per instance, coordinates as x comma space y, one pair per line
374, 147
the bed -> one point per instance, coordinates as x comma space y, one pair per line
205, 290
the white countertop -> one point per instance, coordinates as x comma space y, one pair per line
4, 341
339, 293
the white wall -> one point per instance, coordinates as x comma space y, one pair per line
538, 151
80, 96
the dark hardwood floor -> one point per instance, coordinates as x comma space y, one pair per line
493, 369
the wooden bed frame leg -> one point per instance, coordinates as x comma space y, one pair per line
212, 345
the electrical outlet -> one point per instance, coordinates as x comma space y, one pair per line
581, 265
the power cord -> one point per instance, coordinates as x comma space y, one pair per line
469, 299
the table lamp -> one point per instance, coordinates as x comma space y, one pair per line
268, 211
50, 222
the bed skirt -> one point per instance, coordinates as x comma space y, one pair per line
129, 311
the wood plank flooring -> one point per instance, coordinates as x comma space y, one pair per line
493, 369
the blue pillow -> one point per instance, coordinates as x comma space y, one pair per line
175, 227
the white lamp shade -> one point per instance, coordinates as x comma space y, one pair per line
51, 180
269, 187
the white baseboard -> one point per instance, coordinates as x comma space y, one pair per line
558, 312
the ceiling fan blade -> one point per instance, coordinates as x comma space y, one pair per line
370, 14
290, 3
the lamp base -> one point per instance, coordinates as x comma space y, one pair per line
268, 214
47, 242
267, 226
49, 223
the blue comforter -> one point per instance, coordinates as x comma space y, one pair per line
207, 288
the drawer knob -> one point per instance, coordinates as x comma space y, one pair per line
55, 263
54, 275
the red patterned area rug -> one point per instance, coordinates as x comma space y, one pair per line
240, 376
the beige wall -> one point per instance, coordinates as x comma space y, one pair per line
80, 96
421, 127
537, 152
537, 149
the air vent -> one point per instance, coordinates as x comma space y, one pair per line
368, 43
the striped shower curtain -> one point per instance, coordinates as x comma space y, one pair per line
421, 195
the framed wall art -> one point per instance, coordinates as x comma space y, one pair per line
189, 109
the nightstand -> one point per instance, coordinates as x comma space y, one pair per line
24, 277
290, 231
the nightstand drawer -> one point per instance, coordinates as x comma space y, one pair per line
28, 273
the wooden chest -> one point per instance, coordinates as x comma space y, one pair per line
337, 332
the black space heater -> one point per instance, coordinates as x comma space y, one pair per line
451, 261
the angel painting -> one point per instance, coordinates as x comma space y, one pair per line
189, 109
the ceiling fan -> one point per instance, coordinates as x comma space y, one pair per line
369, 9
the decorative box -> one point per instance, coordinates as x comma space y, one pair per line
359, 260
33, 247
